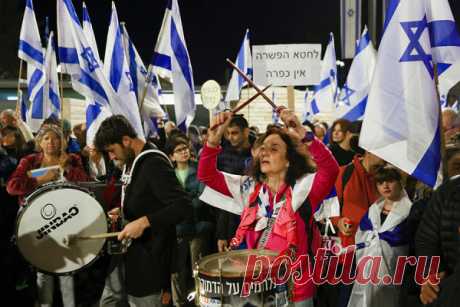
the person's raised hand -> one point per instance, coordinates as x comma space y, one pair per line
221, 122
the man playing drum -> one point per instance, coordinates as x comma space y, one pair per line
153, 202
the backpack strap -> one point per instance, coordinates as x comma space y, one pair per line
345, 178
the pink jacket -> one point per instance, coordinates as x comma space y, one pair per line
290, 228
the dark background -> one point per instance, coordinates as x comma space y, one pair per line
213, 28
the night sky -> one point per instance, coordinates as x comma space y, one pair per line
214, 29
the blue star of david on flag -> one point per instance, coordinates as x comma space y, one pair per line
414, 51
347, 93
90, 59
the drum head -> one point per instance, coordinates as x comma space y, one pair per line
47, 227
232, 264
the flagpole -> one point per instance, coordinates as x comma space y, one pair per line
441, 129
19, 96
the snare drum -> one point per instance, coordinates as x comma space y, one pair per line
219, 281
51, 215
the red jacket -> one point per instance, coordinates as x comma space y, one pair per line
360, 192
21, 184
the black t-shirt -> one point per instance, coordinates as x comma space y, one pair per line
342, 156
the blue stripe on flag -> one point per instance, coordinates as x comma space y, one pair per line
94, 85
37, 105
116, 65
54, 100
161, 60
32, 52
133, 68
92, 112
181, 54
68, 55
34, 79
357, 111
442, 67
29, 4
428, 167
71, 10
86, 14
363, 43
323, 84
23, 108
240, 64
443, 33
314, 107
390, 12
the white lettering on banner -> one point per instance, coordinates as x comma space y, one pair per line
284, 65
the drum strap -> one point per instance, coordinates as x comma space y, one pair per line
127, 173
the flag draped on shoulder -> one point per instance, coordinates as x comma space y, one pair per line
353, 96
150, 104
117, 71
31, 51
171, 61
244, 62
401, 121
325, 96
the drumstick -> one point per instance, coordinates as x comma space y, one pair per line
251, 83
72, 238
242, 105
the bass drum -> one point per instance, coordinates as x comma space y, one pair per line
47, 227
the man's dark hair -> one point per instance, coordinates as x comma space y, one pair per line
239, 121
112, 131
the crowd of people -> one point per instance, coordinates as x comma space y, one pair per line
183, 196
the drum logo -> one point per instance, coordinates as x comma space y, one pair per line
48, 211
56, 222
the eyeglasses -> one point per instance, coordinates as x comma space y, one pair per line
181, 150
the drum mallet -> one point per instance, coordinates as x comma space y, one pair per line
243, 104
69, 240
259, 91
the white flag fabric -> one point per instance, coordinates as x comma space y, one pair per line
88, 31
151, 106
31, 51
94, 113
401, 121
172, 61
244, 63
445, 43
117, 71
353, 95
77, 59
325, 97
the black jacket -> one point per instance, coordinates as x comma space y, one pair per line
438, 234
154, 192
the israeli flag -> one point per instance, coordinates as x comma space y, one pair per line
30, 45
151, 105
78, 59
445, 44
244, 62
31, 51
23, 106
172, 61
353, 96
50, 105
95, 114
325, 96
117, 71
88, 32
401, 121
